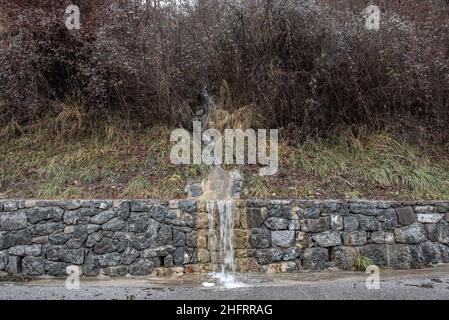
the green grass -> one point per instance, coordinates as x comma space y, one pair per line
110, 163
377, 161
115, 163
138, 187
258, 187
362, 263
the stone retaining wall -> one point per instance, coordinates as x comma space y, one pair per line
151, 237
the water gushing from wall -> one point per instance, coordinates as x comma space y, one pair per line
212, 232
226, 213
220, 210
219, 191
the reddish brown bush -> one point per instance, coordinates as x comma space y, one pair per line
312, 67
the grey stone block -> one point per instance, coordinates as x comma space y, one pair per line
424, 209
56, 269
13, 221
404, 256
112, 259
267, 256
292, 254
165, 235
188, 206
442, 208
279, 211
376, 252
160, 213
13, 205
368, 223
140, 206
365, 208
328, 239
103, 216
93, 239
432, 232
63, 204
350, 223
3, 260
429, 217
406, 215
260, 238
53, 214
91, 265
138, 221
389, 219
318, 225
355, 238
26, 250
115, 224
168, 261
79, 216
59, 238
74, 256
330, 206
274, 223
6, 240
315, 258
312, 212
382, 237
443, 232
118, 271
22, 237
97, 204
255, 217
129, 256
337, 222
14, 265
105, 245
283, 238
161, 251
47, 229
141, 267
344, 257
434, 253
412, 234
33, 266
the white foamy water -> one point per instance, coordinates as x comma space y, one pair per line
212, 232
208, 284
226, 213
227, 280
224, 256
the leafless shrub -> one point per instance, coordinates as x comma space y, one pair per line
307, 66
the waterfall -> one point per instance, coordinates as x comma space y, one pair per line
222, 249
219, 191
226, 212
212, 232
224, 257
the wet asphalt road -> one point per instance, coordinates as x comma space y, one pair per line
410, 285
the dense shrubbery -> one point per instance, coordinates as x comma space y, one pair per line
309, 67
